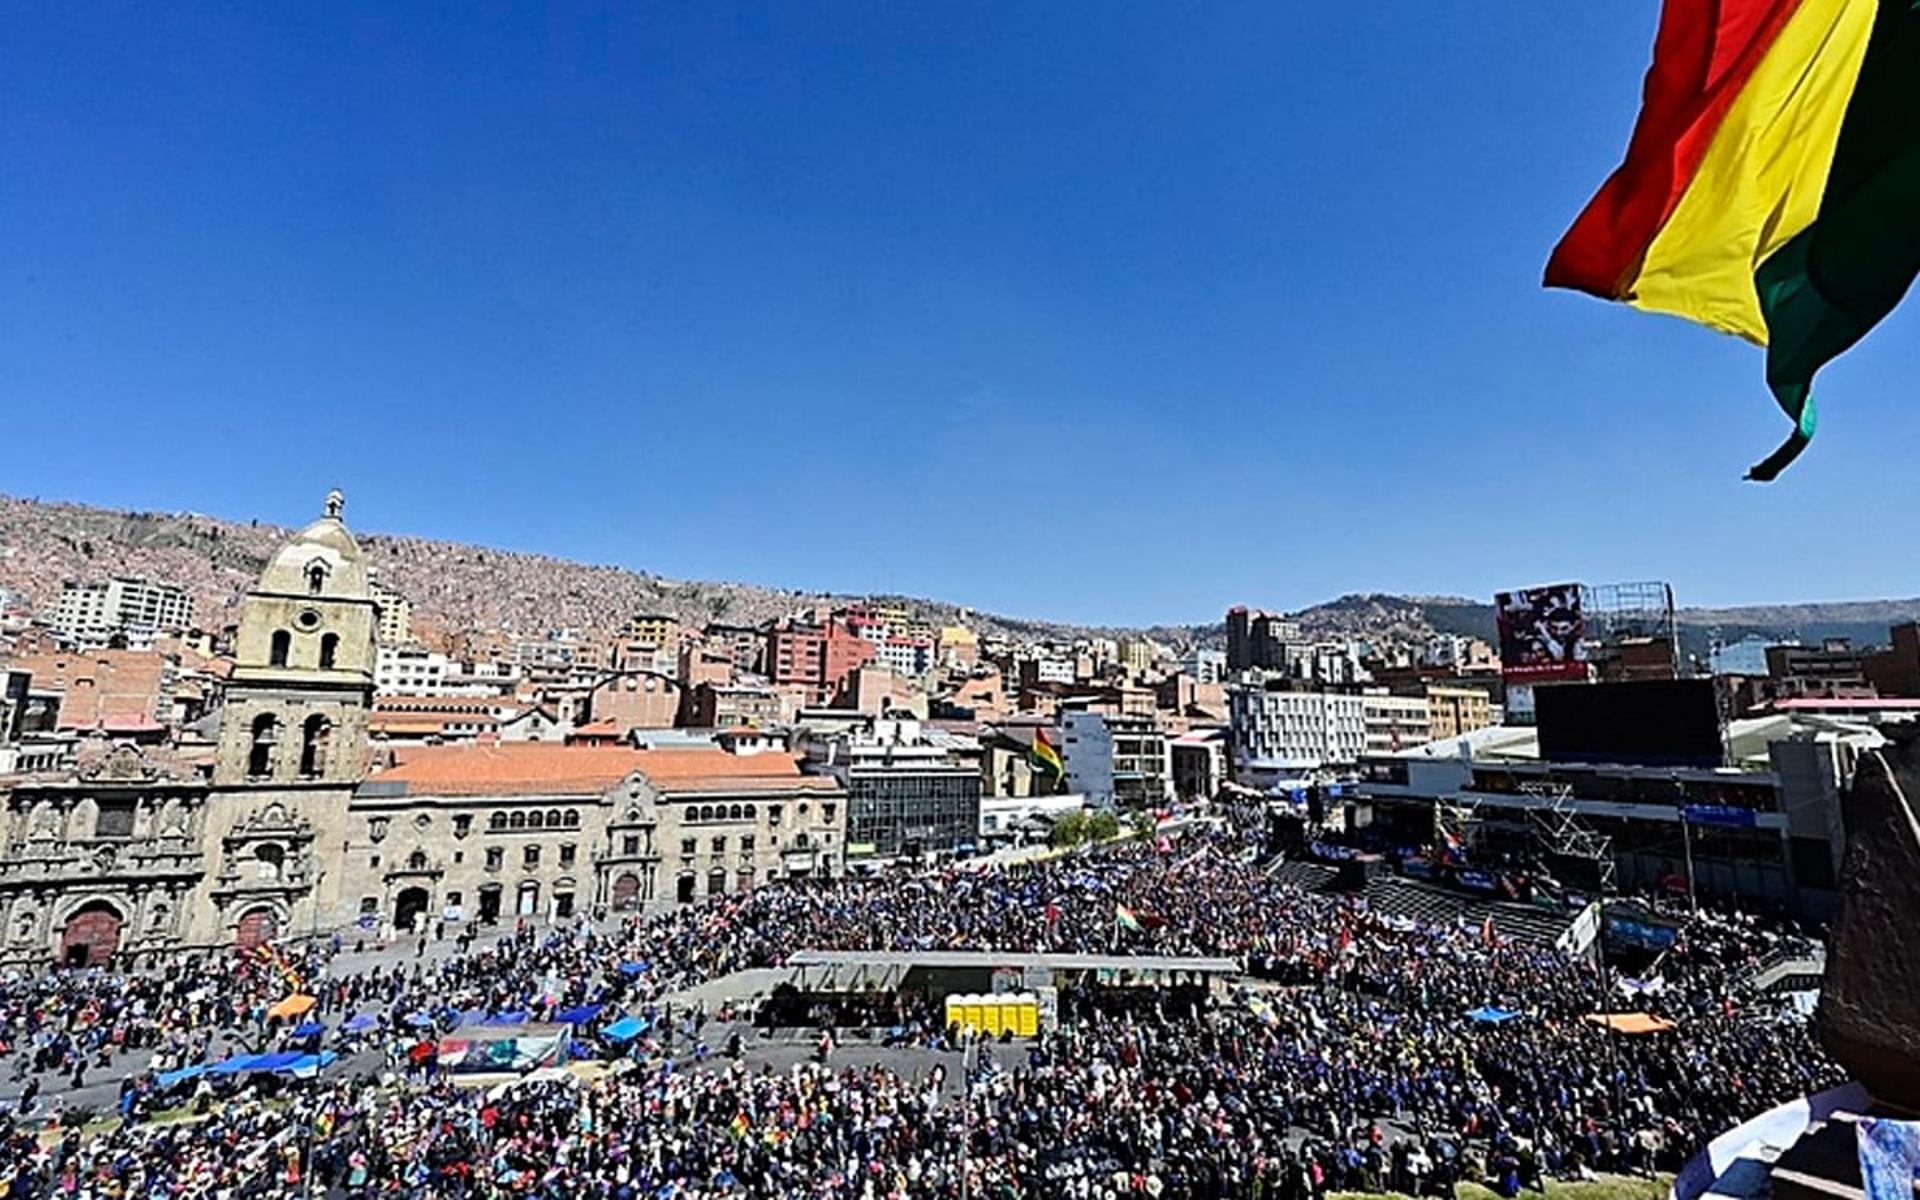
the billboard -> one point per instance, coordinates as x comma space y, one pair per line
1541, 634
1655, 723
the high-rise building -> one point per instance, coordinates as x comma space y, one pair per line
1277, 732
905, 789
396, 615
1258, 640
123, 607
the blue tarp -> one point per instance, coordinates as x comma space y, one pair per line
309, 1029
310, 1064
418, 1019
633, 968
579, 1016
1487, 1014
167, 1079
360, 1024
278, 1061
624, 1030
236, 1064
504, 1018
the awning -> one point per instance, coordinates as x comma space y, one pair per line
580, 1015
234, 1065
624, 1030
307, 1029
279, 1061
309, 1065
168, 1079
292, 1006
1632, 1023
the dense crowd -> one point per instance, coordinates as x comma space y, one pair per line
1349, 1062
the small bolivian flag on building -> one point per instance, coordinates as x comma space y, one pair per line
1124, 917
1042, 756
1771, 189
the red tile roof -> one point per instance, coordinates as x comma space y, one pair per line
545, 768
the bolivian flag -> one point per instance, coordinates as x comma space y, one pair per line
1126, 918
1042, 756
1772, 185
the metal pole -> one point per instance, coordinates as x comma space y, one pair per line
966, 1107
1686, 840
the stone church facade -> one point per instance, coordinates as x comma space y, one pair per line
128, 861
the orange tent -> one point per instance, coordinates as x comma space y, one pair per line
1632, 1022
291, 1007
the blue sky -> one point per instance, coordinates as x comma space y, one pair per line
1112, 313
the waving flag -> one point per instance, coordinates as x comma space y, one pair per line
1044, 757
1771, 189
1126, 918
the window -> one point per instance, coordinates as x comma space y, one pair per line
316, 579
114, 820
720, 845
733, 813
277, 652
535, 820
826, 811
369, 905
373, 862
566, 855
630, 845
706, 812
329, 647
497, 822
573, 818
463, 825
315, 734
773, 814
563, 904
267, 862
553, 818
459, 856
453, 899
266, 731
746, 844
530, 856
686, 845
496, 858
417, 861
518, 820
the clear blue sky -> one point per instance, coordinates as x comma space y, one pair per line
1114, 312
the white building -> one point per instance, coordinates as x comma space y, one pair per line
93, 613
396, 615
1207, 666
1116, 760
1396, 723
1279, 732
908, 657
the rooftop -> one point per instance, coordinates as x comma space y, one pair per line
547, 769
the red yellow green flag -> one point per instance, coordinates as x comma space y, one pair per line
1771, 189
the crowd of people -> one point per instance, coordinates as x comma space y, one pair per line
1349, 1063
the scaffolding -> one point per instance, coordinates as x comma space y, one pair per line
1563, 834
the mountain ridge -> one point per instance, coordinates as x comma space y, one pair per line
455, 585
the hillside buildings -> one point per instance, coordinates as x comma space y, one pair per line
123, 611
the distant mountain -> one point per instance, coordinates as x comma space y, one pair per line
455, 587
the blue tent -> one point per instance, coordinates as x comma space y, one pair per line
308, 1029
235, 1065
360, 1024
167, 1079
1487, 1014
309, 1064
580, 1015
624, 1030
279, 1061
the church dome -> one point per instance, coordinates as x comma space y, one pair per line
321, 560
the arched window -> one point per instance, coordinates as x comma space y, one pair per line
329, 647
497, 822
517, 820
266, 732
747, 811
733, 813
573, 818
535, 820
316, 579
706, 812
282, 643
315, 734
268, 861
553, 818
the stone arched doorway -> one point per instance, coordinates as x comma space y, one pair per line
626, 892
256, 928
408, 907
91, 935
